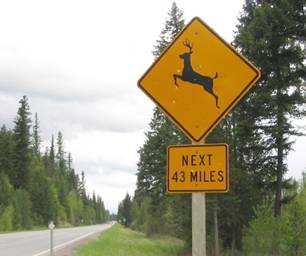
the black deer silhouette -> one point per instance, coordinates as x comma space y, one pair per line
189, 75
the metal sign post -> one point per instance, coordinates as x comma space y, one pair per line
198, 169
198, 220
51, 227
198, 224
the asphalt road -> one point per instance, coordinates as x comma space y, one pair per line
37, 243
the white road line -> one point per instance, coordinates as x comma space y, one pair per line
66, 243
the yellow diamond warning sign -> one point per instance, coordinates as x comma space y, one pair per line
193, 168
198, 79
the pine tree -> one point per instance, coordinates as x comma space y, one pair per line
6, 152
60, 155
22, 210
101, 210
124, 211
22, 158
150, 195
6, 190
52, 154
272, 34
52, 157
44, 203
162, 132
35, 191
173, 26
69, 162
249, 173
82, 188
36, 137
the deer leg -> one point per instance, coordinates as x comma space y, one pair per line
216, 98
175, 76
210, 91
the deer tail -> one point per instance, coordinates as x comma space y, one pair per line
216, 75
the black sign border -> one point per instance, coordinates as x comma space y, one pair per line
228, 109
199, 190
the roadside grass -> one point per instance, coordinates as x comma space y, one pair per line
120, 241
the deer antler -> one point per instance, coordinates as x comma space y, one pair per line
188, 45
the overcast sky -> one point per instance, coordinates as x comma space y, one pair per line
79, 61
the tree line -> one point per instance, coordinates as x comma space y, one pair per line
264, 212
37, 187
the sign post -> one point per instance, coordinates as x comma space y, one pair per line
198, 224
198, 218
196, 82
198, 168
51, 227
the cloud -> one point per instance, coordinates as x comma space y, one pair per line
111, 150
8, 110
71, 102
47, 82
72, 110
112, 187
109, 161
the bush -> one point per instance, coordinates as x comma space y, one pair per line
6, 218
262, 235
294, 229
287, 235
22, 210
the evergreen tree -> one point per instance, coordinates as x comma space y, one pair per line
74, 180
272, 34
42, 189
22, 210
69, 162
251, 129
94, 205
52, 154
6, 152
6, 218
124, 211
173, 26
22, 157
44, 201
36, 137
60, 155
101, 212
82, 188
52, 157
249, 173
150, 195
150, 177
6, 190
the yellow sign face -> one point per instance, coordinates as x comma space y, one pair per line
198, 79
194, 168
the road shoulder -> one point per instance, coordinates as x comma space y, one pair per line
71, 249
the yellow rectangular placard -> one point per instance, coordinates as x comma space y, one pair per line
202, 168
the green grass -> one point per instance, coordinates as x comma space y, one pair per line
120, 241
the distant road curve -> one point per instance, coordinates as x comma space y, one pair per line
37, 243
